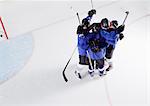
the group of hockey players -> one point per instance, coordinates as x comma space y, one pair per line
96, 43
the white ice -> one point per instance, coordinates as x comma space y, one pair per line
14, 54
53, 27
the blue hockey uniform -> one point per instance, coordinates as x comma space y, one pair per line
82, 32
96, 46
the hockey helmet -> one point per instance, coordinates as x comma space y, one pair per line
85, 22
114, 24
104, 23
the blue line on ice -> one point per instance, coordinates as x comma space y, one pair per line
14, 54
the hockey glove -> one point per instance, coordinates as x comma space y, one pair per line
120, 28
92, 12
81, 30
121, 36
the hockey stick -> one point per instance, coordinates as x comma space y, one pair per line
90, 61
78, 18
92, 4
127, 13
64, 76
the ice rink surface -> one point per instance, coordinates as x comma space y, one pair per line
14, 53
44, 36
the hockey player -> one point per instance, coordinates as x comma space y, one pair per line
82, 31
114, 35
97, 53
111, 35
97, 47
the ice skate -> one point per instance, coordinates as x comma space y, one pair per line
91, 73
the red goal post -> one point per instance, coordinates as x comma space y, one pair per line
3, 28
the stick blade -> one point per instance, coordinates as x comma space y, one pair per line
64, 76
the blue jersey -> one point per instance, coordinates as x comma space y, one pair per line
82, 41
89, 18
114, 37
110, 36
95, 49
97, 55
